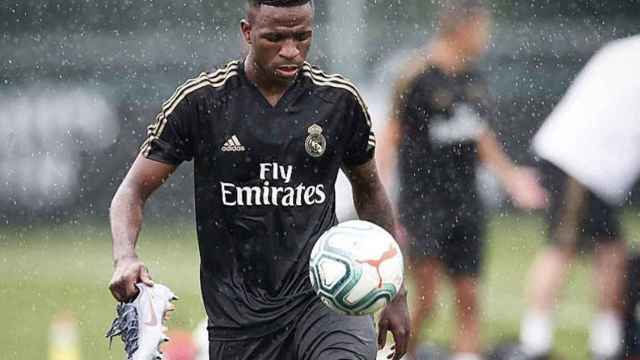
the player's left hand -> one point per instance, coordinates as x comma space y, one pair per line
525, 190
395, 318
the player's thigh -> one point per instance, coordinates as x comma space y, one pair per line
554, 181
426, 272
600, 223
322, 334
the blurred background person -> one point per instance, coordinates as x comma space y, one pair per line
590, 151
439, 131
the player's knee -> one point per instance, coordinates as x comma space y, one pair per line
468, 305
467, 296
563, 249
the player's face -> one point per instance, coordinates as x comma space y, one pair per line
279, 39
477, 34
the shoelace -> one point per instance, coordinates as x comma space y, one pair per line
125, 325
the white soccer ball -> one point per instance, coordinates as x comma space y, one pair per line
356, 267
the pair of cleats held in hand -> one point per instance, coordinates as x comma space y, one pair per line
140, 323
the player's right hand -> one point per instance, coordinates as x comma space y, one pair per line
128, 272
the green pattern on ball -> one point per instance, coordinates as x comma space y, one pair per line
335, 296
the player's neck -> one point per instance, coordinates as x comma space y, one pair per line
446, 56
271, 89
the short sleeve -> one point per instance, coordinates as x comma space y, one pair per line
169, 138
480, 97
362, 142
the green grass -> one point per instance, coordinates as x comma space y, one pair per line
47, 271
51, 270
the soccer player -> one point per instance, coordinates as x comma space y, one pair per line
439, 131
590, 153
267, 135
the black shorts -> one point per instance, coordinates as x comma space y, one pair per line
319, 334
575, 216
451, 233
631, 306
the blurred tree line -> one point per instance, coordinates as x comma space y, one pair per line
116, 15
128, 15
135, 53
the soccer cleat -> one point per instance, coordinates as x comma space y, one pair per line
140, 323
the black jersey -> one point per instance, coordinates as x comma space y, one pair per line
441, 119
264, 185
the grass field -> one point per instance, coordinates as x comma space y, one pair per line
50, 270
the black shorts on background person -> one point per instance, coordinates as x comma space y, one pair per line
439, 132
598, 221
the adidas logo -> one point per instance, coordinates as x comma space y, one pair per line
233, 144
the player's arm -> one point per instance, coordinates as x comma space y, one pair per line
520, 182
387, 150
144, 177
369, 196
372, 204
492, 155
169, 142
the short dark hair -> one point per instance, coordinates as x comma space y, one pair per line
278, 3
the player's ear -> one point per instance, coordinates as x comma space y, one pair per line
245, 27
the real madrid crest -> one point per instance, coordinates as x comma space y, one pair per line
315, 144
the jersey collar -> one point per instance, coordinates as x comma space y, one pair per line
288, 99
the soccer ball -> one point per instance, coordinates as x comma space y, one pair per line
356, 267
